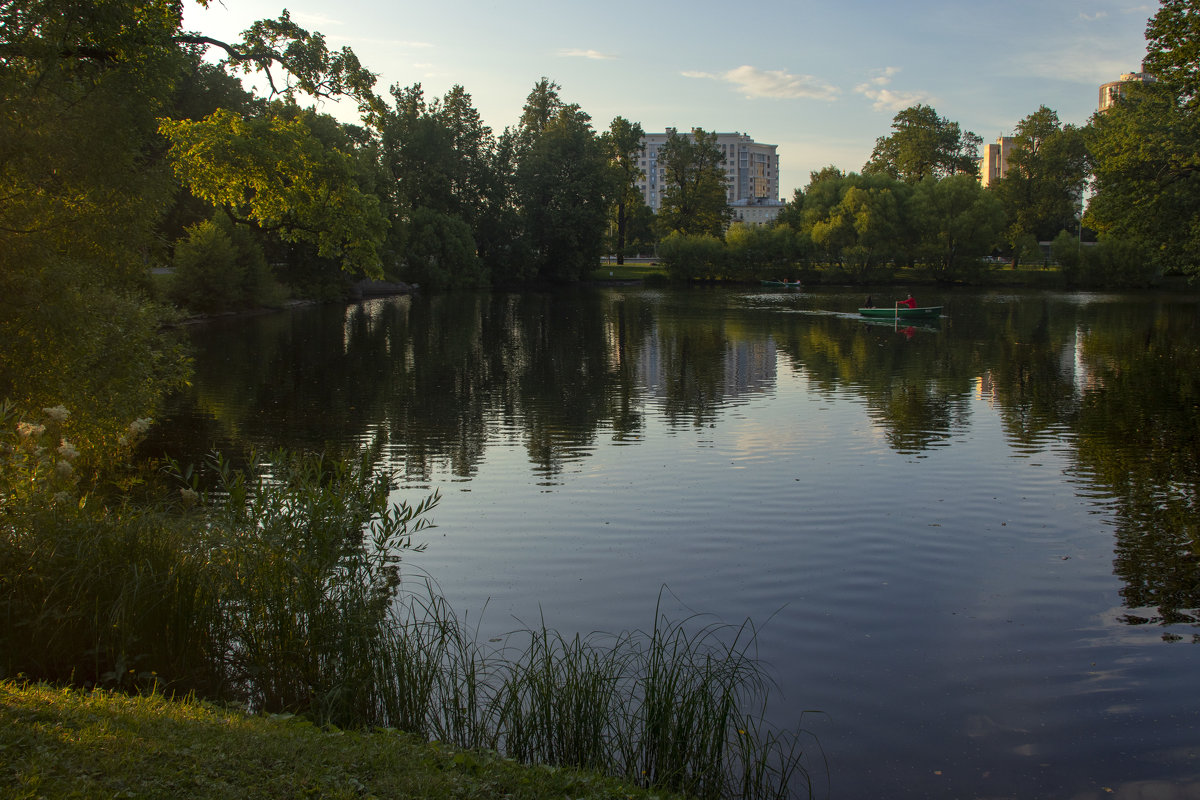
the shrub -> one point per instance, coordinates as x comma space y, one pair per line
220, 267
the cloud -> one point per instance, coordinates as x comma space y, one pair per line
885, 99
595, 55
1092, 17
755, 82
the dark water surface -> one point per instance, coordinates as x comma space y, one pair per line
973, 546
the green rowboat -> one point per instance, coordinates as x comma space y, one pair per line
903, 312
787, 284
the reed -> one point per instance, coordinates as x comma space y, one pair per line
278, 586
679, 707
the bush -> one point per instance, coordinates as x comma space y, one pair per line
219, 267
1109, 263
689, 256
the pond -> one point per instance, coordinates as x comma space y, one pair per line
971, 548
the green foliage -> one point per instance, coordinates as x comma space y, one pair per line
921, 145
220, 267
1146, 155
690, 256
304, 555
1043, 188
100, 352
563, 186
1173, 48
958, 221
308, 66
274, 171
757, 251
694, 197
1027, 250
439, 252
88, 593
624, 141
1109, 263
1065, 250
856, 220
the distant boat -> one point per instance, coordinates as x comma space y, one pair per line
783, 284
902, 312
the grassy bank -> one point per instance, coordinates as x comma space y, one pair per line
278, 587
97, 744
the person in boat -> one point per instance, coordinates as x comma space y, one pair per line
870, 302
908, 301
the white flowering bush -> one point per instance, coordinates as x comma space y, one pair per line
36, 461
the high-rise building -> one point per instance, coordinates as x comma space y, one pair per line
995, 160
1110, 92
751, 170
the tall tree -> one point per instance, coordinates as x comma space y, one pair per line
274, 172
857, 220
1043, 188
624, 140
1146, 148
542, 105
958, 220
694, 197
923, 144
563, 187
1173, 48
1145, 154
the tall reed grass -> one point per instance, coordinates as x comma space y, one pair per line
279, 586
679, 707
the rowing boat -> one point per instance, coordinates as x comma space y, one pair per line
903, 312
787, 284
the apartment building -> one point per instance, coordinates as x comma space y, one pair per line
994, 163
751, 170
1110, 92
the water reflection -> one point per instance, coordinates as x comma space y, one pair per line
1112, 382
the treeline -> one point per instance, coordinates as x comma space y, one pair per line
126, 151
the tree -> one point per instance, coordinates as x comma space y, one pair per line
694, 197
923, 144
274, 172
1146, 167
856, 220
563, 187
1146, 149
439, 251
1043, 188
1173, 48
86, 185
542, 105
691, 255
624, 139
958, 220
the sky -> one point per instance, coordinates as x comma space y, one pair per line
821, 80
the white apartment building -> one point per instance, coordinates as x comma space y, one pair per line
751, 170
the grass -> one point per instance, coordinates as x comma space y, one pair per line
277, 587
629, 271
57, 742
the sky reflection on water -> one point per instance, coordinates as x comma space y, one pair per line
966, 545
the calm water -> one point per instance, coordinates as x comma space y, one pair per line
973, 547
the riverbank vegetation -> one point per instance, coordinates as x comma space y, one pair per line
278, 586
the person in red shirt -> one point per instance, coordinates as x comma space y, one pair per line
908, 301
